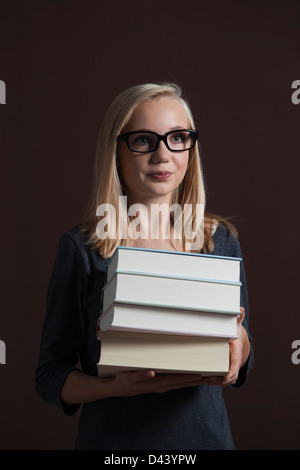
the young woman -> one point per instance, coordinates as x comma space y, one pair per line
148, 152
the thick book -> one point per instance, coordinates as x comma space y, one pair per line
168, 263
172, 291
144, 318
126, 351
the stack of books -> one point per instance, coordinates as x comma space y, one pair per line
170, 312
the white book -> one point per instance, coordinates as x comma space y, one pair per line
170, 263
139, 318
172, 292
123, 351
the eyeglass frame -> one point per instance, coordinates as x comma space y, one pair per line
161, 137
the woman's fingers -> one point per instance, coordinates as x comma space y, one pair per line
147, 381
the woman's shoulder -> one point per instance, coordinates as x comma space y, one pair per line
74, 237
225, 239
76, 240
74, 248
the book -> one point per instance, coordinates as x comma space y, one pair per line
171, 291
126, 351
145, 318
171, 312
167, 263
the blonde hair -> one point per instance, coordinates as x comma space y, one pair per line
107, 185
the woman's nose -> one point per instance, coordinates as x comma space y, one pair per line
161, 154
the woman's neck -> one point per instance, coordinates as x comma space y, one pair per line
167, 245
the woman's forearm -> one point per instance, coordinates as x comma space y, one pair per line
246, 347
82, 388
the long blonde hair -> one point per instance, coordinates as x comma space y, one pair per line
107, 185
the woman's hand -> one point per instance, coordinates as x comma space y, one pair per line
147, 381
239, 352
83, 388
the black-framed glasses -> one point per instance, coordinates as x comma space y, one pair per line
148, 141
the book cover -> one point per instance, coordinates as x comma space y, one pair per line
168, 263
162, 353
145, 318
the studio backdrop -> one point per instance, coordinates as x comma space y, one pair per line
61, 65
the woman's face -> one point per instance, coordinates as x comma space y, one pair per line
152, 177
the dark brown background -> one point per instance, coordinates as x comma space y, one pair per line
63, 62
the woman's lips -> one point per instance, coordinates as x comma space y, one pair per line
160, 175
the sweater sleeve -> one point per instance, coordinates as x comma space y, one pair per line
227, 244
235, 251
62, 336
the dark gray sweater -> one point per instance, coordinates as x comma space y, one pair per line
186, 419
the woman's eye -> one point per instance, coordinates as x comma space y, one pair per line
142, 140
178, 138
